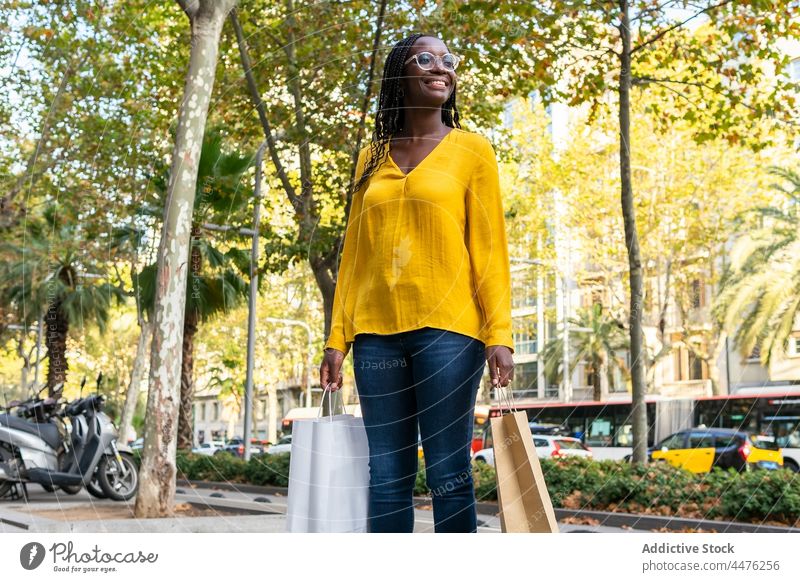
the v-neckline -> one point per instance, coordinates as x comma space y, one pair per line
422, 161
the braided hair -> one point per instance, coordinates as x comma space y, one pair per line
390, 116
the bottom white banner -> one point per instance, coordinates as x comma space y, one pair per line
275, 556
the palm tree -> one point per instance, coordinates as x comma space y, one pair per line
597, 347
759, 297
53, 277
215, 284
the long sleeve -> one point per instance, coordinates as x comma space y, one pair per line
488, 246
336, 338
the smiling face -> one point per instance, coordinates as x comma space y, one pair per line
427, 88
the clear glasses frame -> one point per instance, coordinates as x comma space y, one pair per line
436, 59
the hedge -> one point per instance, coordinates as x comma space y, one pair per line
578, 483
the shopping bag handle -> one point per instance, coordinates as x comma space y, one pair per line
330, 402
509, 392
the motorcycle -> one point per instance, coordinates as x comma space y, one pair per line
37, 447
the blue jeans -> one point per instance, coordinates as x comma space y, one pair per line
421, 382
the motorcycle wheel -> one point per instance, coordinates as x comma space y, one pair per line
94, 489
5, 486
111, 481
71, 489
68, 489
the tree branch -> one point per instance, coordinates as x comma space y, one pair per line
190, 7
367, 97
244, 54
653, 10
679, 25
333, 258
28, 175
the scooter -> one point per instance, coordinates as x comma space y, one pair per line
35, 447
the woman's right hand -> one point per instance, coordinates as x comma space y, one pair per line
330, 371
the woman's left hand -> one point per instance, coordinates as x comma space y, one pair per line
501, 364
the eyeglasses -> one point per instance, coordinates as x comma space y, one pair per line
425, 60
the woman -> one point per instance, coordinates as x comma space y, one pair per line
423, 292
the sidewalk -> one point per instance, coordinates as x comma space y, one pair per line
232, 511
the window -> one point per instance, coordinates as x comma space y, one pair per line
216, 411
675, 441
783, 423
202, 411
696, 367
688, 366
540, 443
574, 445
698, 294
523, 290
701, 440
600, 431
728, 441
524, 329
793, 347
624, 436
764, 442
525, 379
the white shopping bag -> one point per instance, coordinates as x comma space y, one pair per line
328, 474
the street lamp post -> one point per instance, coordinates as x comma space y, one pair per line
251, 319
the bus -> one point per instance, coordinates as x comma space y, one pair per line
606, 427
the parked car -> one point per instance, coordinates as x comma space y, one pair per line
238, 450
547, 446
208, 449
484, 439
700, 449
284, 445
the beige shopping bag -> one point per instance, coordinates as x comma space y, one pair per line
522, 496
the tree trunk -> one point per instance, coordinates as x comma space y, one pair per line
272, 415
605, 381
56, 342
137, 376
632, 243
185, 419
597, 374
190, 322
711, 362
156, 496
26, 366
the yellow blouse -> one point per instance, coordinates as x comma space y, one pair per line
427, 248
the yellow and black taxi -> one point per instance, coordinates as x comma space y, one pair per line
700, 449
